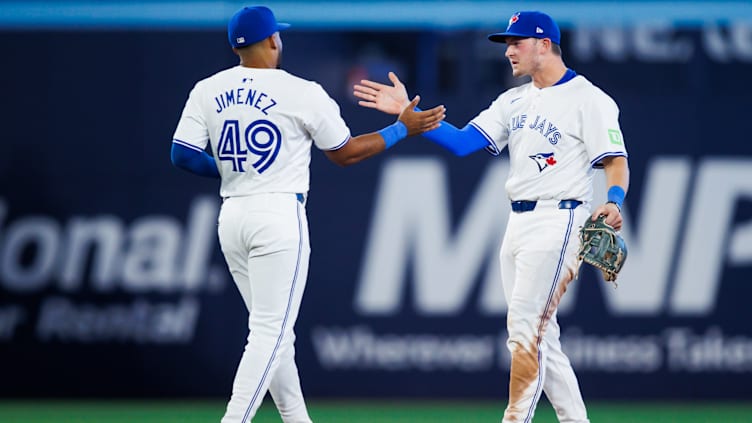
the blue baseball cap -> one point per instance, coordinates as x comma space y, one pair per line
529, 24
251, 25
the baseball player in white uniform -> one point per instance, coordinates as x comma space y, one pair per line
260, 122
559, 127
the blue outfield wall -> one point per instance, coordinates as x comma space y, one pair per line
112, 283
360, 14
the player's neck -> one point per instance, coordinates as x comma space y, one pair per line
549, 75
258, 63
258, 58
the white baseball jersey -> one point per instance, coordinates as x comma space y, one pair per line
261, 124
556, 136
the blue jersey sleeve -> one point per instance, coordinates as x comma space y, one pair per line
461, 142
198, 162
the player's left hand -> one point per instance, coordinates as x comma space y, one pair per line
420, 122
612, 213
390, 99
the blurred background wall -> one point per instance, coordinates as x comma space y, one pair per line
112, 283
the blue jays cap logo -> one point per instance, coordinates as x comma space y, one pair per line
543, 160
527, 24
513, 20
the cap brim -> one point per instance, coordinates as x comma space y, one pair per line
282, 26
501, 37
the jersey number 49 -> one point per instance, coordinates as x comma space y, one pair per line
262, 138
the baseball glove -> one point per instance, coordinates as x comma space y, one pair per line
601, 246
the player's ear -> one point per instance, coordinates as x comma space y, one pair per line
272, 40
547, 44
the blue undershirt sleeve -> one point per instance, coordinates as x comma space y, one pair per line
198, 162
461, 142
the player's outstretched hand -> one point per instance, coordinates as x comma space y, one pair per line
612, 213
420, 122
391, 99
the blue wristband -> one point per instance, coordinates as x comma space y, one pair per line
616, 195
393, 133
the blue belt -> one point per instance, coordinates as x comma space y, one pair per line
526, 206
300, 197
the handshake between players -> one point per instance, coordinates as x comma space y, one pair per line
418, 122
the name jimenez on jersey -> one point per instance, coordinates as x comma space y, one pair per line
245, 96
260, 124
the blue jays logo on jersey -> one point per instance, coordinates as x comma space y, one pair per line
543, 160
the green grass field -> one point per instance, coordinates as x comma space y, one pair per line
360, 412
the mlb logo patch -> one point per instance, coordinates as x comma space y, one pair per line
240, 40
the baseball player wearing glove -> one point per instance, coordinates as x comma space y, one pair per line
559, 128
261, 123
603, 247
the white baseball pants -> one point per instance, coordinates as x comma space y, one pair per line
538, 261
264, 239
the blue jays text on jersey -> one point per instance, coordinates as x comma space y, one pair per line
244, 96
550, 131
